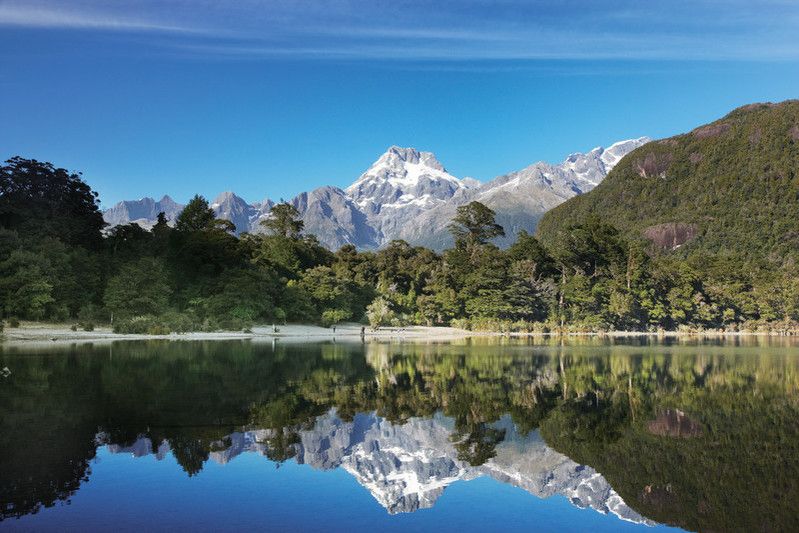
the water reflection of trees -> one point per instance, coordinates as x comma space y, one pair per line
738, 468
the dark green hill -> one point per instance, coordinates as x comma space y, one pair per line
731, 186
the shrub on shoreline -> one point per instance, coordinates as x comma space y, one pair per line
175, 322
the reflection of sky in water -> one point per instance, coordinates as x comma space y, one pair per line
406, 467
443, 453
126, 493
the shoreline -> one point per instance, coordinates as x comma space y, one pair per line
35, 333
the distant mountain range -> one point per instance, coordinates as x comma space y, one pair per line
407, 467
407, 194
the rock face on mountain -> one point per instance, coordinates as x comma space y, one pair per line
407, 194
335, 218
407, 466
233, 208
402, 184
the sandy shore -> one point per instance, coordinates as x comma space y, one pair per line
32, 332
36, 333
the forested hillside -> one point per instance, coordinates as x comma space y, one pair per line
730, 187
695, 232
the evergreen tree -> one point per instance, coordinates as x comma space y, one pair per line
475, 224
140, 288
196, 216
37, 199
284, 220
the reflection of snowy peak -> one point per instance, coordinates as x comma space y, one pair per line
407, 466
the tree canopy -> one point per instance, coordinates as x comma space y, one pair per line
589, 276
475, 224
38, 199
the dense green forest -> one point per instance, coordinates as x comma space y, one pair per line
59, 263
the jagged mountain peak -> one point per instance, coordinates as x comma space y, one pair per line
402, 169
227, 197
409, 155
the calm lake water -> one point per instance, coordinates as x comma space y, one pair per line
471, 435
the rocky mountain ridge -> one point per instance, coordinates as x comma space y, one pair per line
408, 194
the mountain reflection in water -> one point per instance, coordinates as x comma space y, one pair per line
696, 435
407, 466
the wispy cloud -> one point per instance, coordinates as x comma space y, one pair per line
446, 31
49, 16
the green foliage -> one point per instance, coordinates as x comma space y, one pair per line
332, 296
740, 270
334, 316
93, 313
475, 224
379, 313
735, 181
284, 220
141, 288
196, 216
37, 199
139, 325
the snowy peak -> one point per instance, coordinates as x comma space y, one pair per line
396, 155
403, 168
616, 151
585, 171
406, 180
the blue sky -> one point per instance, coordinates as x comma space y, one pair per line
272, 97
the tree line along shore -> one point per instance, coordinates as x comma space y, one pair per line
59, 263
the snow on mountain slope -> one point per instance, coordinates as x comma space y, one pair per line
399, 186
403, 176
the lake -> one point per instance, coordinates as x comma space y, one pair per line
468, 435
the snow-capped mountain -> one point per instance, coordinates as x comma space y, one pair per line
399, 186
521, 198
408, 194
408, 466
